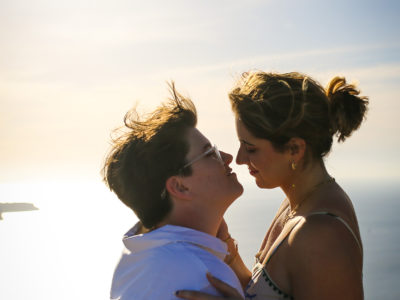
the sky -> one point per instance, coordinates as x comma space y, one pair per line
69, 71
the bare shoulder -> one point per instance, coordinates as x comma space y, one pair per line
327, 255
323, 233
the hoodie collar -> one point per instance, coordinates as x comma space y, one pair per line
173, 234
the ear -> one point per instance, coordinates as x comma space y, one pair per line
176, 187
296, 148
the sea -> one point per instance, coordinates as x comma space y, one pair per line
62, 240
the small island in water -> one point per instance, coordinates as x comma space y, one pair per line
15, 207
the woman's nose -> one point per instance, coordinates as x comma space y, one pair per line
240, 157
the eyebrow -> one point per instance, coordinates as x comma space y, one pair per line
247, 143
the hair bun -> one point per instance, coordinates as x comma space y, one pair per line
347, 108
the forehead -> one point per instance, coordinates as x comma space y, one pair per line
248, 139
197, 141
242, 131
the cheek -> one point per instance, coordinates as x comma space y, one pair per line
259, 161
271, 166
212, 175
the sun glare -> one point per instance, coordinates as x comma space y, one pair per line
74, 235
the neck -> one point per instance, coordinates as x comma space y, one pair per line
304, 182
207, 223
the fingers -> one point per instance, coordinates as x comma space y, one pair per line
193, 295
223, 288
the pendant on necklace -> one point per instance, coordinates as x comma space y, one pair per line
290, 213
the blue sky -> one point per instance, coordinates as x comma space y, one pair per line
69, 70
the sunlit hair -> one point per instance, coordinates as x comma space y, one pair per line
146, 152
278, 107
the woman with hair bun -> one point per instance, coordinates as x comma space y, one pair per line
286, 124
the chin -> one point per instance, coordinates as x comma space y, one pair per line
240, 189
236, 192
237, 185
262, 185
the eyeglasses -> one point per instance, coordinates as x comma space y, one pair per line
213, 151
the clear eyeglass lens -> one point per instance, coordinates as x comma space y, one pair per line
217, 154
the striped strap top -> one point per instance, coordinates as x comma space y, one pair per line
262, 286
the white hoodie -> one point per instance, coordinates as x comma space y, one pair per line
156, 264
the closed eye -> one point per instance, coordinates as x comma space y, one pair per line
250, 150
210, 152
248, 147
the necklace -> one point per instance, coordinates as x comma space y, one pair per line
290, 213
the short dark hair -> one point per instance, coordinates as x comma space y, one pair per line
278, 107
147, 153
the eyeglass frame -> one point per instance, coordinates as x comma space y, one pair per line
205, 153
197, 158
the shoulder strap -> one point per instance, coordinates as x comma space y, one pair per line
341, 220
275, 247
